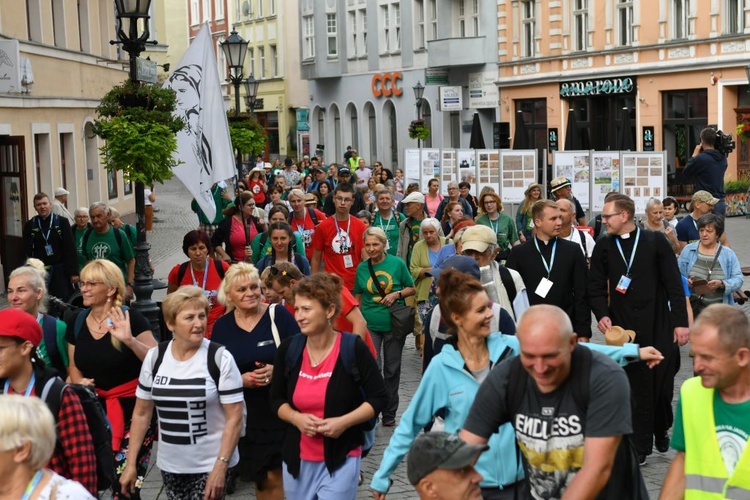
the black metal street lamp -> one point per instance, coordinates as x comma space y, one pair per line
133, 34
418, 93
235, 50
251, 93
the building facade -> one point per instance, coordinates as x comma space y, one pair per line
362, 59
57, 62
623, 74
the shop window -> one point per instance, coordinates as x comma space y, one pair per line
528, 28
535, 117
580, 25
685, 115
625, 22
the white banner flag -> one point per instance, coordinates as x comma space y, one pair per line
204, 145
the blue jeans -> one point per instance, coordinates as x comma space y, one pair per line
389, 360
316, 483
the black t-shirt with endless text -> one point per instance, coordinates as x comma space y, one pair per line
550, 428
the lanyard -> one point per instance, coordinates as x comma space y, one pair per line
29, 387
205, 275
39, 225
548, 268
494, 226
632, 255
32, 485
387, 226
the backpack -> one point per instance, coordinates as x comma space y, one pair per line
347, 355
49, 331
626, 481
184, 266
99, 428
215, 353
87, 235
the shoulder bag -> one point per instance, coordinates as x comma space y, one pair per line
402, 316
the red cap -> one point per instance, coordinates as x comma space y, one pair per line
17, 323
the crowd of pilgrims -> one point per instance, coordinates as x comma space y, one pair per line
280, 360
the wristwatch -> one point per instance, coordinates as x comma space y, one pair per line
400, 296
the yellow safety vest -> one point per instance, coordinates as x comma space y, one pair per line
706, 477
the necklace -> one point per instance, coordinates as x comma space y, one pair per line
99, 322
249, 321
320, 358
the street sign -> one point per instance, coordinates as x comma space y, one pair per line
145, 70
436, 76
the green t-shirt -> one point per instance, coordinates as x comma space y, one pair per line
732, 429
220, 202
393, 276
78, 237
62, 345
504, 228
259, 253
390, 226
415, 229
104, 246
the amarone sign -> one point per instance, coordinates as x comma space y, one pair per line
606, 86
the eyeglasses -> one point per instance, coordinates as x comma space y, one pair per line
607, 216
89, 284
343, 201
452, 189
275, 271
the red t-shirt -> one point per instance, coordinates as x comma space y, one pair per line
341, 244
309, 397
213, 281
237, 239
306, 228
342, 324
256, 187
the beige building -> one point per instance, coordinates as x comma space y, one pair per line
56, 62
272, 30
633, 74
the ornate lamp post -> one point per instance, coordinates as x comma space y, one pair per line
251, 93
235, 50
132, 34
418, 93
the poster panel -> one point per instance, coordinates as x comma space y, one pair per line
575, 165
448, 168
489, 169
411, 167
467, 168
606, 172
644, 176
429, 167
518, 169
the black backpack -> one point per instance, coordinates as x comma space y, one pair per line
626, 481
348, 358
184, 266
215, 353
101, 432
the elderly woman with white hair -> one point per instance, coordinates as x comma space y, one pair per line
424, 257
81, 218
27, 441
396, 283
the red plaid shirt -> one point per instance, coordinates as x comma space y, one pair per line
74, 457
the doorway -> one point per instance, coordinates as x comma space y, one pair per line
13, 211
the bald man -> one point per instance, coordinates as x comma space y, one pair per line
569, 406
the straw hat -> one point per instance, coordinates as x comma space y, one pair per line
617, 335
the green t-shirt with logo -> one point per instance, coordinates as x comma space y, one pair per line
390, 227
416, 226
105, 246
393, 276
732, 429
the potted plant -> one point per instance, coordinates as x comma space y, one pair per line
419, 130
743, 127
138, 127
736, 196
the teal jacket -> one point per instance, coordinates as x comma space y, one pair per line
446, 384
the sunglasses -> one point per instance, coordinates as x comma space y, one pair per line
275, 271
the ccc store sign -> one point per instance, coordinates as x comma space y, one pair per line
386, 84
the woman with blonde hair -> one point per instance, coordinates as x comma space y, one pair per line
501, 224
106, 347
251, 332
27, 291
27, 438
196, 449
524, 221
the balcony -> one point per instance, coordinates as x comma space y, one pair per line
453, 52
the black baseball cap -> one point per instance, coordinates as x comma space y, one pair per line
439, 450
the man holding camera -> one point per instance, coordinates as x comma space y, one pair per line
707, 167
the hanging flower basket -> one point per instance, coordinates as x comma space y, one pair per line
418, 130
743, 128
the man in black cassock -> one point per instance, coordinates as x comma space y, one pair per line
553, 269
634, 283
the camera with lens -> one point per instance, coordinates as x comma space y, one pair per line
724, 143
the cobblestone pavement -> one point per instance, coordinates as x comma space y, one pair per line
176, 218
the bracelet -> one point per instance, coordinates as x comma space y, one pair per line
223, 459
